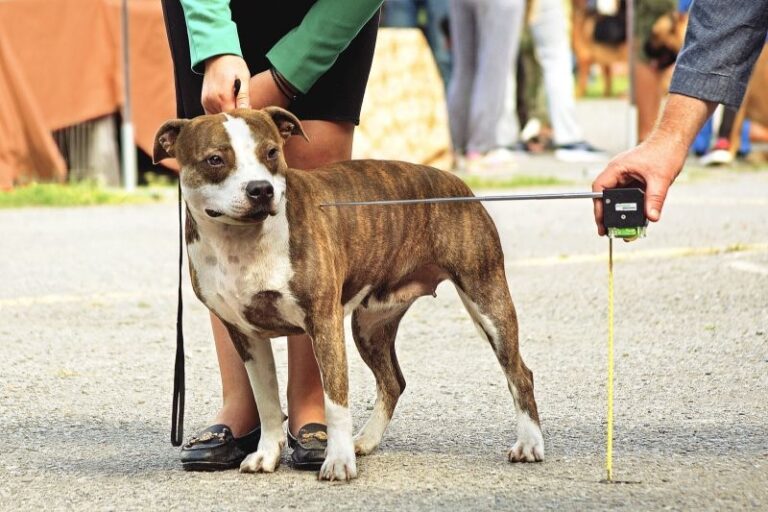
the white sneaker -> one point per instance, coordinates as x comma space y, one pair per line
717, 157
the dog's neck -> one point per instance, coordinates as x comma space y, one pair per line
245, 238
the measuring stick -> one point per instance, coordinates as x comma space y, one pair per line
609, 432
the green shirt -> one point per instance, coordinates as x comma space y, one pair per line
302, 56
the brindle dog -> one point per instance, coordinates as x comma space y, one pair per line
269, 261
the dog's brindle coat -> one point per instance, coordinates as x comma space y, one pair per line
274, 263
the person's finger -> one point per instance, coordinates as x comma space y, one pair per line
243, 99
655, 194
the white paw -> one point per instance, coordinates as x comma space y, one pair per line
530, 443
339, 462
365, 443
526, 452
263, 460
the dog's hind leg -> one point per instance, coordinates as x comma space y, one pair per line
490, 305
374, 330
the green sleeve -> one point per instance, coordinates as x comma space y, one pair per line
210, 29
304, 54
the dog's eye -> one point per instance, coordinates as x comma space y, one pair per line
272, 154
215, 161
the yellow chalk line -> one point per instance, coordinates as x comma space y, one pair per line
650, 254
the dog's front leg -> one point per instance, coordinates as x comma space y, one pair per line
328, 342
260, 364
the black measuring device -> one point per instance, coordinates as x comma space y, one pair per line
623, 217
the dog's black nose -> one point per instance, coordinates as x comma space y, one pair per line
259, 190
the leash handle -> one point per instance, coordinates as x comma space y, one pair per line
177, 414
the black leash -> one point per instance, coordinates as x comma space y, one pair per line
177, 415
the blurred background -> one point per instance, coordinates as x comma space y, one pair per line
84, 84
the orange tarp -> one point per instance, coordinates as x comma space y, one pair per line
60, 64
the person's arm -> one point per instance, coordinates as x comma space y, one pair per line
214, 49
656, 162
722, 44
301, 56
304, 54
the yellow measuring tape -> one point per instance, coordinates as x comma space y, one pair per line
609, 433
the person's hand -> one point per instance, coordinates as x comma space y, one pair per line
653, 165
265, 93
219, 82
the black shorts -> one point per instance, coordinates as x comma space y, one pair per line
336, 96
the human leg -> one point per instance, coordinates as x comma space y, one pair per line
550, 37
463, 42
492, 122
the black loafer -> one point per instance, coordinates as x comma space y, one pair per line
215, 449
309, 446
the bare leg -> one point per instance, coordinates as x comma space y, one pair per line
648, 96
330, 142
238, 410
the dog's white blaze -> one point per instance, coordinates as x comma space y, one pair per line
370, 435
248, 166
244, 147
339, 461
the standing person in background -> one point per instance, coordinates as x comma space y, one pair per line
485, 36
722, 44
312, 57
405, 13
650, 77
549, 28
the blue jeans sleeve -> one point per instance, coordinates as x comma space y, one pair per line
723, 41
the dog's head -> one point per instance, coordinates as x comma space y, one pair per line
666, 39
232, 165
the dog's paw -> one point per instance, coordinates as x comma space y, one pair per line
530, 443
365, 444
339, 463
263, 460
526, 452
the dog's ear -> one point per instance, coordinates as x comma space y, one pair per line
165, 140
287, 123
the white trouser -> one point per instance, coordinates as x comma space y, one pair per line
485, 37
549, 28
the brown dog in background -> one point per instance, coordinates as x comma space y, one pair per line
588, 51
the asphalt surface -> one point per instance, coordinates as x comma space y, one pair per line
87, 312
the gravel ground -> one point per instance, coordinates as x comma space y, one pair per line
87, 311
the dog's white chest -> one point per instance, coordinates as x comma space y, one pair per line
242, 278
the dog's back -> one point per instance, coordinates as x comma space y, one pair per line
397, 237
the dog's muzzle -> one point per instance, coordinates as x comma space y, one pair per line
260, 194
